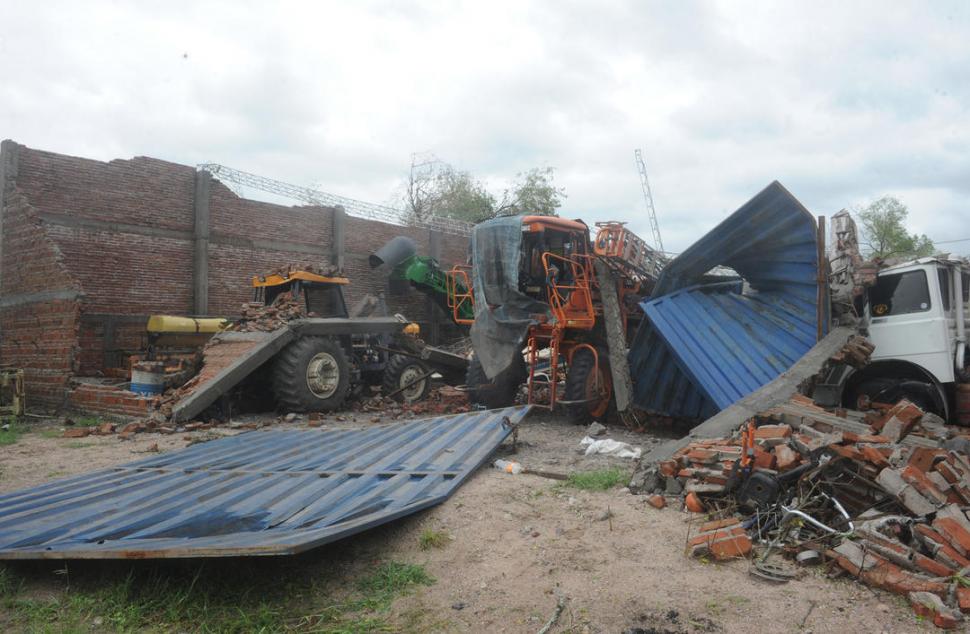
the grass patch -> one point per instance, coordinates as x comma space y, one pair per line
13, 432
79, 445
51, 433
88, 421
599, 480
231, 597
431, 538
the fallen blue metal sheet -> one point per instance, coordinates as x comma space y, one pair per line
259, 493
716, 343
659, 384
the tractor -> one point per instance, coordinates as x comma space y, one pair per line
317, 373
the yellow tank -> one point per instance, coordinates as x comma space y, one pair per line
173, 324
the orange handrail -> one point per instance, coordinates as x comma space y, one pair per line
571, 302
458, 302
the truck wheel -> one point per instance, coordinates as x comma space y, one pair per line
583, 383
497, 393
891, 391
311, 375
400, 371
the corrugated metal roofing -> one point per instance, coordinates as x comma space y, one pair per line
724, 342
259, 493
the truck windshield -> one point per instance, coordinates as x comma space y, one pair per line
900, 293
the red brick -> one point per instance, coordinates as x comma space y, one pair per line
963, 599
657, 501
702, 456
874, 456
785, 458
77, 432
721, 533
731, 548
932, 566
955, 535
766, 432
921, 483
716, 524
923, 458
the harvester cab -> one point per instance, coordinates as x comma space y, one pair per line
540, 284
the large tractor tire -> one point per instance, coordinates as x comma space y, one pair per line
497, 393
311, 375
402, 370
594, 389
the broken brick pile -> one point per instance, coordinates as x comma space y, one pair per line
902, 474
219, 353
254, 316
440, 400
216, 356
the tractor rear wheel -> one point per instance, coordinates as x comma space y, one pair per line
498, 392
311, 375
594, 389
402, 370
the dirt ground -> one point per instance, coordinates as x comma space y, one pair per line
518, 544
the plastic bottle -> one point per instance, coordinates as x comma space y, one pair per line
508, 466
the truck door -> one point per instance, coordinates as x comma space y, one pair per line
908, 320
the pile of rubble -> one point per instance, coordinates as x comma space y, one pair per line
440, 400
882, 494
254, 316
127, 430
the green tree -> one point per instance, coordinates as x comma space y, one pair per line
884, 231
435, 188
532, 193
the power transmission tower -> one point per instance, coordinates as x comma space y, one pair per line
648, 197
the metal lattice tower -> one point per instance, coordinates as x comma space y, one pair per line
648, 197
352, 206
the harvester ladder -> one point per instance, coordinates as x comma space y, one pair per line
534, 346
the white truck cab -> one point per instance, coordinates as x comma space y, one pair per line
917, 315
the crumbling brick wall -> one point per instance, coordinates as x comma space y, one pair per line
39, 304
124, 233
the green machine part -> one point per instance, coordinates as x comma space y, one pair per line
425, 275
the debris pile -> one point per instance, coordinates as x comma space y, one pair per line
254, 316
440, 400
882, 494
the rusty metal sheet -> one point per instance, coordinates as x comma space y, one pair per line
258, 493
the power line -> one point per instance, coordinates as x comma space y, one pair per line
951, 241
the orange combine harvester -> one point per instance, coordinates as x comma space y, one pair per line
547, 281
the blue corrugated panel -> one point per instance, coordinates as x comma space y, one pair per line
260, 493
659, 383
726, 343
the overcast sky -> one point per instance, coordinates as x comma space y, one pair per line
841, 102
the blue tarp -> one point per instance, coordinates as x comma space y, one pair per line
705, 345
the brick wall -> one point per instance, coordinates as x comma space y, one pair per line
39, 304
121, 233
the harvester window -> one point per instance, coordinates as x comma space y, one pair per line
899, 294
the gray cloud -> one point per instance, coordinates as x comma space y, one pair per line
842, 102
